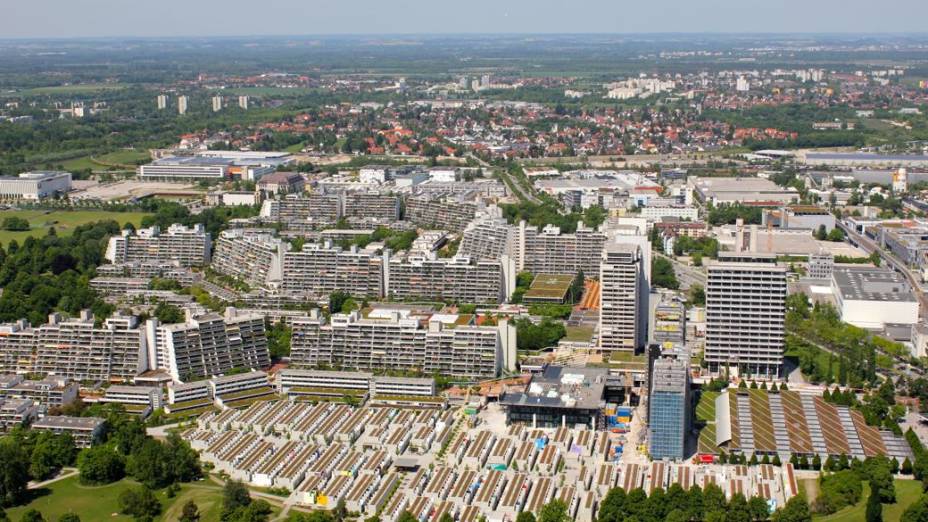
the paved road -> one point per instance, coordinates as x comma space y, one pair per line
65, 473
687, 275
510, 182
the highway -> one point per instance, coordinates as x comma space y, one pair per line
890, 261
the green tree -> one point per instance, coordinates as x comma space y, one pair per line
874, 511
406, 516
14, 473
795, 510
51, 453
662, 273
524, 516
100, 465
15, 224
337, 301
554, 511
33, 515
69, 517
917, 512
168, 313
697, 295
140, 503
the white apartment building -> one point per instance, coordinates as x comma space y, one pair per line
447, 213
399, 341
293, 379
548, 251
489, 238
135, 399
443, 174
179, 392
314, 208
239, 383
85, 431
75, 348
253, 257
182, 105
371, 206
657, 213
207, 345
374, 174
188, 246
403, 386
745, 314
35, 185
453, 280
319, 270
620, 307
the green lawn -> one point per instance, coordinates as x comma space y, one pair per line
579, 333
83, 88
119, 157
93, 503
64, 221
907, 492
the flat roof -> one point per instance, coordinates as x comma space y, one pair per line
872, 284
562, 387
549, 285
68, 423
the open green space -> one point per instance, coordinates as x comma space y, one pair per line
82, 88
907, 492
119, 157
102, 502
64, 221
579, 333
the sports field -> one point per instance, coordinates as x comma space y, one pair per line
64, 221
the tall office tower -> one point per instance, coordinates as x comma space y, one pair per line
745, 314
217, 103
182, 105
620, 306
669, 408
162, 102
243, 102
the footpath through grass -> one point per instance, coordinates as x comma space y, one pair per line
64, 221
102, 502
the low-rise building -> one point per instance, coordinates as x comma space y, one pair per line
16, 412
141, 400
872, 297
47, 393
85, 431
35, 185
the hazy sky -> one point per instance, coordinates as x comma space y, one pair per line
64, 18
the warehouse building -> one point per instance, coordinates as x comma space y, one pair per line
872, 297
188, 246
35, 185
719, 191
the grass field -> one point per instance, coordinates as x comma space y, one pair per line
102, 502
907, 492
83, 88
119, 157
579, 333
64, 221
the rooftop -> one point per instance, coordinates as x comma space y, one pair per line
871, 284
65, 422
562, 387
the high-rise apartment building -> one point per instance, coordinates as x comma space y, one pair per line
490, 238
318, 270
394, 340
208, 344
243, 102
189, 246
549, 251
745, 314
371, 206
217, 103
620, 298
314, 208
253, 257
75, 348
448, 213
162, 102
454, 280
669, 408
182, 105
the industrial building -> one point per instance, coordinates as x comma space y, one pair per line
871, 297
188, 246
802, 217
863, 160
720, 191
388, 339
35, 185
214, 165
745, 314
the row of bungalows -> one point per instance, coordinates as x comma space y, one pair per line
607, 476
440, 483
501, 454
287, 467
549, 460
247, 464
478, 450
524, 456
218, 421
